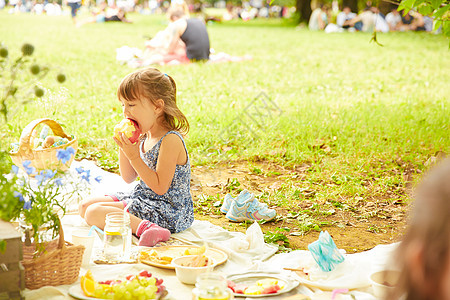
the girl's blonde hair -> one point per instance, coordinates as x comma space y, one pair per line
150, 84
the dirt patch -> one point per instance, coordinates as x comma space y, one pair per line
355, 229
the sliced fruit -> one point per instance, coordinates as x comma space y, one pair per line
267, 282
88, 286
89, 275
195, 250
253, 290
271, 289
240, 288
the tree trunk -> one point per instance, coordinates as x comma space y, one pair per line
304, 10
353, 4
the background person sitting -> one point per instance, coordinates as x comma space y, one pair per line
344, 17
380, 20
319, 18
394, 20
193, 33
412, 21
367, 18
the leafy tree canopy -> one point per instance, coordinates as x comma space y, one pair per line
439, 10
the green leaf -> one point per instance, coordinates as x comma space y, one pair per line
407, 5
437, 24
441, 11
435, 4
446, 29
2, 246
425, 10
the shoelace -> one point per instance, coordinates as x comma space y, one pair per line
256, 206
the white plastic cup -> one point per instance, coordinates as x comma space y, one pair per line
82, 237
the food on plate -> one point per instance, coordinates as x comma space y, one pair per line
195, 250
129, 128
165, 258
141, 286
197, 261
154, 256
260, 287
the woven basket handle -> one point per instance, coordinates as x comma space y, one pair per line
24, 144
61, 241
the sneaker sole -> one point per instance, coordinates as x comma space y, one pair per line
242, 219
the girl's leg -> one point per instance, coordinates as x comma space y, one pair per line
87, 202
96, 214
149, 233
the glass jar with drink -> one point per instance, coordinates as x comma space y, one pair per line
211, 286
117, 237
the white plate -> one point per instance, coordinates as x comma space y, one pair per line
217, 255
251, 277
339, 283
76, 292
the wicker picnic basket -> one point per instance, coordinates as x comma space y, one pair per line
46, 158
57, 266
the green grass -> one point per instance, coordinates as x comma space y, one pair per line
356, 113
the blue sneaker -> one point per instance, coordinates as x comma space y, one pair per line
250, 210
243, 196
226, 203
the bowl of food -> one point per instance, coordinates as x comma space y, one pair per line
188, 267
383, 282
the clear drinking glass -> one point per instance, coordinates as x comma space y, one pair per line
211, 286
117, 236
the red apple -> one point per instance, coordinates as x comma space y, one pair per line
129, 128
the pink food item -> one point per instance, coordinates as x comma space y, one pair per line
129, 128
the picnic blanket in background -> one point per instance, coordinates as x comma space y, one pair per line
246, 252
136, 58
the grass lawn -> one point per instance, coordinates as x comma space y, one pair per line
358, 121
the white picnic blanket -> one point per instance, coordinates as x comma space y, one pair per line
246, 252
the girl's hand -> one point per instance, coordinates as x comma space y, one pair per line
130, 150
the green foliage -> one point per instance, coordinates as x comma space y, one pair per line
278, 237
19, 79
9, 206
439, 10
355, 116
37, 203
38, 199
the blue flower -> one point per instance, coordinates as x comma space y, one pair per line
79, 170
65, 155
28, 169
98, 179
18, 195
70, 150
15, 169
86, 176
58, 182
40, 178
49, 174
27, 205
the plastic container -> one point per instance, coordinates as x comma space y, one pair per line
211, 286
117, 237
383, 282
187, 274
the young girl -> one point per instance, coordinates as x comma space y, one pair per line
424, 253
161, 202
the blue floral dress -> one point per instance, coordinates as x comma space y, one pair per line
174, 210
